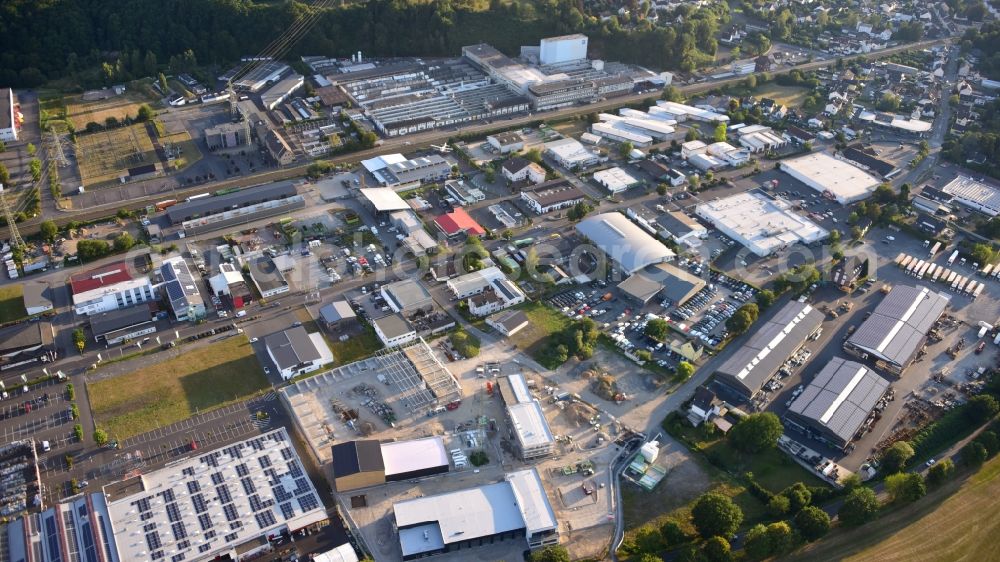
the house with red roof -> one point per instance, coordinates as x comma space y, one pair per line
109, 287
458, 222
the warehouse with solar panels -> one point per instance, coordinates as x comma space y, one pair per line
772, 343
839, 402
897, 329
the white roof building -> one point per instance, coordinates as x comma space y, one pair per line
832, 177
571, 153
681, 112
474, 282
762, 224
215, 503
625, 243
443, 522
616, 180
974, 194
384, 199
760, 138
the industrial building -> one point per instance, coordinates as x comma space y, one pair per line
628, 246
867, 159
337, 315
407, 296
296, 352
11, 118
473, 283
458, 222
516, 509
464, 193
835, 179
257, 77
974, 194
896, 330
365, 463
205, 206
229, 283
215, 504
631, 125
838, 403
762, 224
266, 276
281, 91
116, 326
80, 525
25, 344
394, 330
37, 296
406, 173
383, 199
528, 427
616, 180
770, 345
680, 112
275, 145
505, 142
502, 293
571, 154
661, 280
109, 287
228, 135
408, 97
552, 196
566, 48
181, 290
760, 138
680, 228
508, 322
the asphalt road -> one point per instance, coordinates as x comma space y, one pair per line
424, 140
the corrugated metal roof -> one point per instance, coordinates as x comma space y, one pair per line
770, 346
897, 326
839, 399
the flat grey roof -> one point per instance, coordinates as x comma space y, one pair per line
838, 400
107, 322
337, 311
393, 325
408, 294
217, 204
772, 342
25, 334
37, 293
895, 331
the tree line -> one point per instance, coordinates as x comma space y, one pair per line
92, 42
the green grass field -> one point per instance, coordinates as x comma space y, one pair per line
959, 521
543, 322
790, 96
358, 347
170, 391
11, 303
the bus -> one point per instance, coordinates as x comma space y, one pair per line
199, 196
954, 256
935, 248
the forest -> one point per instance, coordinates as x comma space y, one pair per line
92, 42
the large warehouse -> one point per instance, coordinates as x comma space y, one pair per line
774, 341
897, 328
628, 246
833, 178
359, 464
974, 194
205, 206
664, 279
837, 404
516, 508
762, 224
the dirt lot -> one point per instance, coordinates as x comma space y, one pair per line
80, 112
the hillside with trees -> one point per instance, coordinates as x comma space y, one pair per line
95, 42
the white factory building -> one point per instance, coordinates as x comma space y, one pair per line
633, 126
109, 288
516, 509
616, 180
834, 178
570, 153
760, 138
10, 116
713, 156
567, 48
682, 112
626, 244
528, 426
761, 224
974, 194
